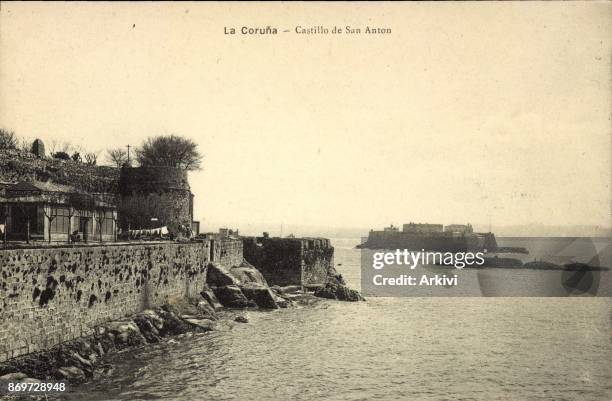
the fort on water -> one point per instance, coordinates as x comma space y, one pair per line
431, 237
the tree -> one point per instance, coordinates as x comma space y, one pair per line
170, 151
61, 155
26, 145
91, 158
8, 139
117, 156
59, 147
76, 156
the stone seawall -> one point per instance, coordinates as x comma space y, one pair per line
291, 261
52, 295
63, 309
229, 253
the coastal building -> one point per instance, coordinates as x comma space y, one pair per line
45, 211
422, 228
431, 237
140, 198
459, 228
228, 232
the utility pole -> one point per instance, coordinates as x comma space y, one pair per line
128, 155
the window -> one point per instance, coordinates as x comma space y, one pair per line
21, 214
106, 224
61, 220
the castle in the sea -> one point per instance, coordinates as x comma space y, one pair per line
430, 237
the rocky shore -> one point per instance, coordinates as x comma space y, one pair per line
227, 294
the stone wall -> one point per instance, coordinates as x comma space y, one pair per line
317, 261
52, 295
290, 261
225, 251
230, 252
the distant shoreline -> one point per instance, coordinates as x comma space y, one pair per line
513, 264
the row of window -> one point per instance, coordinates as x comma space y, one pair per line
64, 211
60, 222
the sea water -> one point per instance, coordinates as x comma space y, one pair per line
383, 349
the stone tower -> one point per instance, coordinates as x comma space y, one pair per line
155, 196
38, 148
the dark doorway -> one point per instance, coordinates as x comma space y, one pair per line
83, 226
23, 216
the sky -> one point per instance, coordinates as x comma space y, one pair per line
489, 113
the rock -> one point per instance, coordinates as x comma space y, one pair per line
218, 276
147, 327
289, 289
578, 266
84, 362
100, 349
326, 292
105, 370
154, 318
172, 323
541, 265
13, 377
206, 310
106, 343
125, 334
83, 346
313, 287
282, 295
262, 296
31, 380
334, 277
247, 273
231, 296
339, 292
345, 293
241, 319
496, 261
282, 301
202, 324
210, 297
71, 373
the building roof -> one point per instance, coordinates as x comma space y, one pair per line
39, 187
49, 192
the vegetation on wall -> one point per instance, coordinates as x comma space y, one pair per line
170, 151
159, 151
